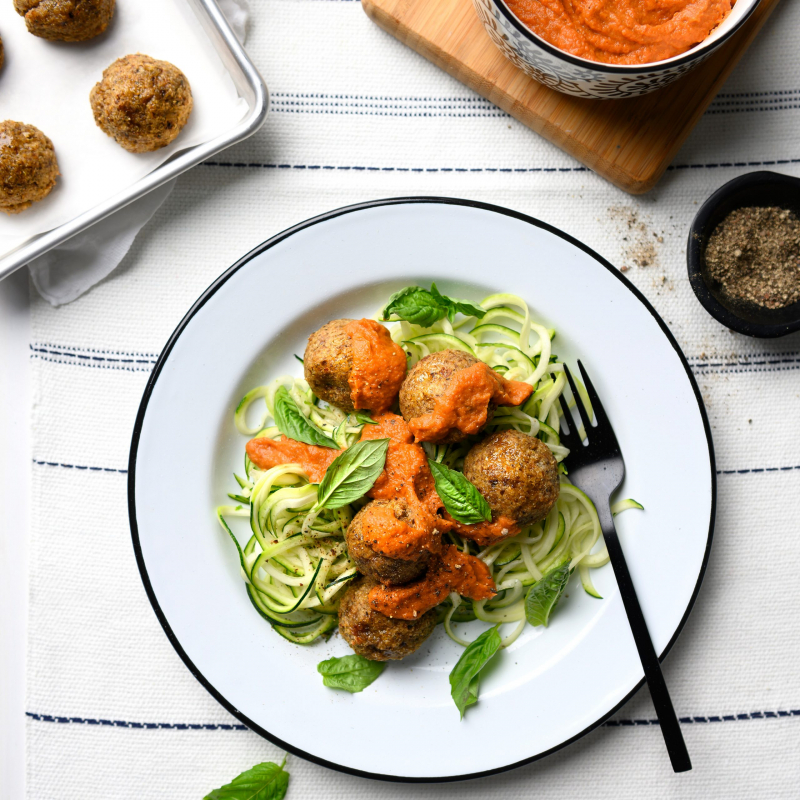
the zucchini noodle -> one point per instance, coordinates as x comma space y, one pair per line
295, 564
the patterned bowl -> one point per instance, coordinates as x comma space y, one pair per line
584, 78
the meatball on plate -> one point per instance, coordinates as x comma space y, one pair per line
397, 540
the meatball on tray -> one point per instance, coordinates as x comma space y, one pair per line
401, 546
219, 99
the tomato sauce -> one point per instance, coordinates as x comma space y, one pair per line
464, 406
453, 571
622, 31
379, 365
314, 461
406, 475
485, 534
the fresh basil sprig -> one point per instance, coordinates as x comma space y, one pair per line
423, 307
461, 498
352, 673
465, 677
544, 595
352, 474
266, 781
454, 306
292, 423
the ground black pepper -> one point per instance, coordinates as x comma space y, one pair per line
754, 254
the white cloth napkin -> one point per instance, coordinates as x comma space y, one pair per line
112, 710
69, 270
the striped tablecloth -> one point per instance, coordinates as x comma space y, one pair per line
113, 712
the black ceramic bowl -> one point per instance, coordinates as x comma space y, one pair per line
753, 189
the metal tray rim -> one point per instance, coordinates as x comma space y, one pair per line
259, 105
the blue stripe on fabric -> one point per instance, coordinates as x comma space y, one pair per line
142, 362
363, 168
221, 726
81, 467
119, 723
476, 106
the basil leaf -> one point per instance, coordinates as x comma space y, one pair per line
352, 474
292, 423
266, 781
351, 673
423, 307
463, 306
465, 677
415, 304
364, 419
461, 499
544, 595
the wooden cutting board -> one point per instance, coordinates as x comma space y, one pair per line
630, 142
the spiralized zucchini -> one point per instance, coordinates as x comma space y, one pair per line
295, 563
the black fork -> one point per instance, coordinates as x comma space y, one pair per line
597, 468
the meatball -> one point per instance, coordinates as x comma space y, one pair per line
374, 635
327, 364
28, 166
428, 380
516, 473
66, 20
141, 103
390, 571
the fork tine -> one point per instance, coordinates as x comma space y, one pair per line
587, 423
597, 406
569, 439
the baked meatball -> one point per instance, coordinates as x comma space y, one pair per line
142, 103
516, 473
374, 635
66, 20
327, 363
428, 380
28, 166
389, 571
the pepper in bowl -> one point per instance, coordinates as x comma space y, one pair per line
743, 254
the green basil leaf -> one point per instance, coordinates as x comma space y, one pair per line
463, 306
352, 474
292, 423
461, 499
415, 304
544, 595
266, 781
351, 673
364, 419
465, 677
423, 307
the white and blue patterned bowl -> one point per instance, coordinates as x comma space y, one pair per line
584, 78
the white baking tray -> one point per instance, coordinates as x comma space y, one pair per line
251, 88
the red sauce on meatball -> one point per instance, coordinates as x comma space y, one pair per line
379, 365
464, 406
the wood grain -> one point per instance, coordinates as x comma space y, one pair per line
629, 142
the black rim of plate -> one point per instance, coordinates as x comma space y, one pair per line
628, 69
162, 359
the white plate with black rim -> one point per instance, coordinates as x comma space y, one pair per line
552, 685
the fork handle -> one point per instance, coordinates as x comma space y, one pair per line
670, 727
